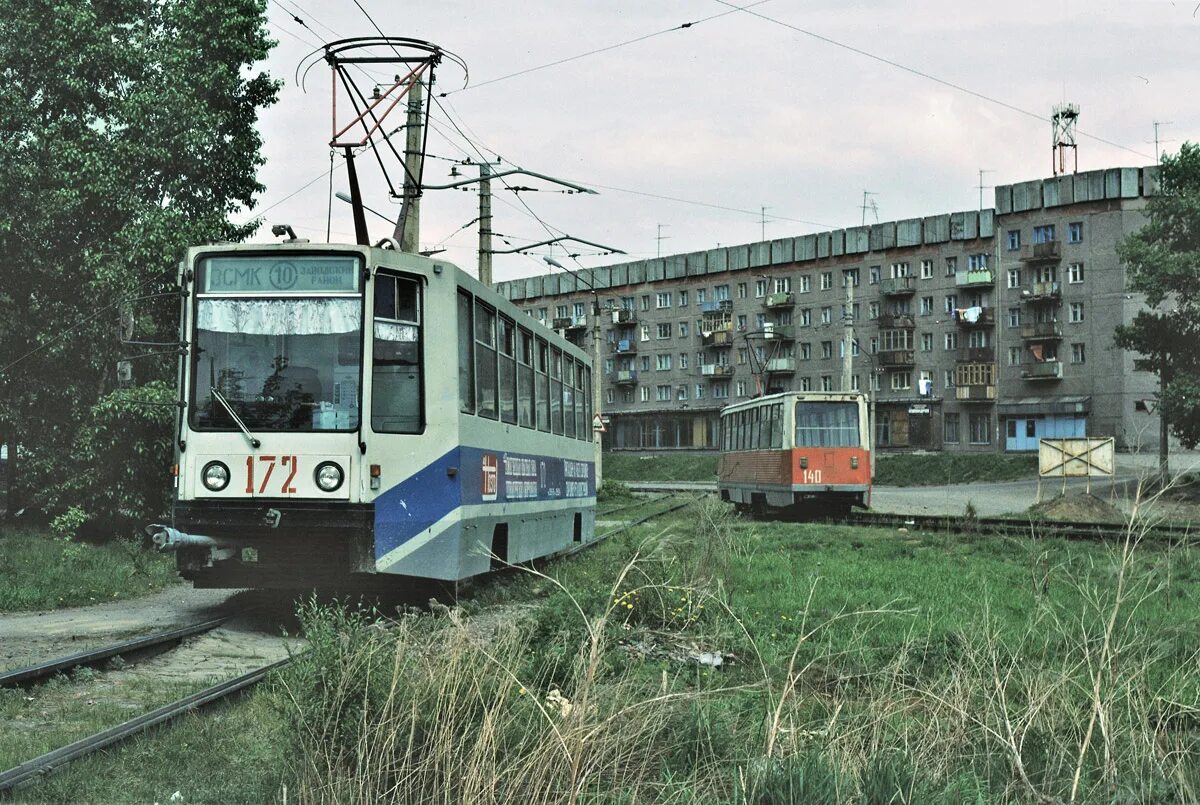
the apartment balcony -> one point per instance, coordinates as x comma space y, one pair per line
1041, 252
625, 346
724, 306
569, 322
1041, 331
623, 377
1041, 292
975, 393
779, 332
977, 355
718, 338
896, 357
781, 299
896, 321
624, 317
974, 278
781, 365
716, 370
898, 286
1046, 370
982, 317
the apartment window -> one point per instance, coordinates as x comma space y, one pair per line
981, 428
609, 365
701, 295
609, 396
683, 360
662, 362
948, 379
579, 310
826, 315
645, 332
850, 276
645, 301
899, 270
952, 340
873, 310
926, 305
783, 318
560, 311
925, 383
951, 266
1075, 232
1014, 239
926, 269
1076, 312
826, 382
645, 363
742, 354
740, 388
951, 303
806, 317
644, 393
683, 329
663, 329
662, 393
805, 284
1075, 273
977, 262
806, 384
1014, 278
760, 289
760, 319
662, 300
699, 392
1014, 356
1043, 234
1014, 317
741, 290
901, 381
1077, 353
721, 293
720, 390
741, 322
681, 393
826, 280
805, 351
874, 344
855, 383
783, 285
927, 342
873, 275
627, 395
950, 428
826, 349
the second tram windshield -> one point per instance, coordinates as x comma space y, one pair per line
280, 341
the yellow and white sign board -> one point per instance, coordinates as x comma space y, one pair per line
1076, 458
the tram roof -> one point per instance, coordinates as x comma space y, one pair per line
809, 396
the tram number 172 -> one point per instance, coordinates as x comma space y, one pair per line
287, 464
810, 476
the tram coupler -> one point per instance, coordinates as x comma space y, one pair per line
166, 538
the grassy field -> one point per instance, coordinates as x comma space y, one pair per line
38, 571
905, 469
709, 659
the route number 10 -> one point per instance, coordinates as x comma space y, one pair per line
287, 463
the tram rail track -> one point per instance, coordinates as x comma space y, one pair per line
1012, 526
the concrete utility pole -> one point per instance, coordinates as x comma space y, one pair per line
597, 378
408, 227
848, 325
982, 186
485, 224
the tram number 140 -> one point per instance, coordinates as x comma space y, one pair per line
265, 468
810, 476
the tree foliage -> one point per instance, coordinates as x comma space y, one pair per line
1163, 262
128, 133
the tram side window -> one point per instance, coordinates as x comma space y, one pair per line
741, 430
396, 376
524, 378
543, 386
777, 426
586, 375
764, 434
826, 424
556, 392
485, 361
508, 370
466, 362
568, 396
580, 402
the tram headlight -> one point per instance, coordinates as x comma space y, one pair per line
329, 476
215, 476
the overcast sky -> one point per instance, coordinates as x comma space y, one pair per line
738, 112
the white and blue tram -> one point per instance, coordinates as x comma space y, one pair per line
354, 411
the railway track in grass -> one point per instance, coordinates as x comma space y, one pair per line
1017, 527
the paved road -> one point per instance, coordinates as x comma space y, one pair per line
991, 499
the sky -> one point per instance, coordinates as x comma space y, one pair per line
781, 104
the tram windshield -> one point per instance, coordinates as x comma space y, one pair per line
826, 424
282, 363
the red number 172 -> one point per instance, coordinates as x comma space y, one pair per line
286, 461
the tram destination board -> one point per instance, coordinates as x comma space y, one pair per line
274, 275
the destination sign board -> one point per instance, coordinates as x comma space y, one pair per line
280, 275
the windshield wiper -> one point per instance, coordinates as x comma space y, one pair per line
255, 443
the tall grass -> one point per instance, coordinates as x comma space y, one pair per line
654, 687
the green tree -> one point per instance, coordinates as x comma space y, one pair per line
128, 133
1162, 260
